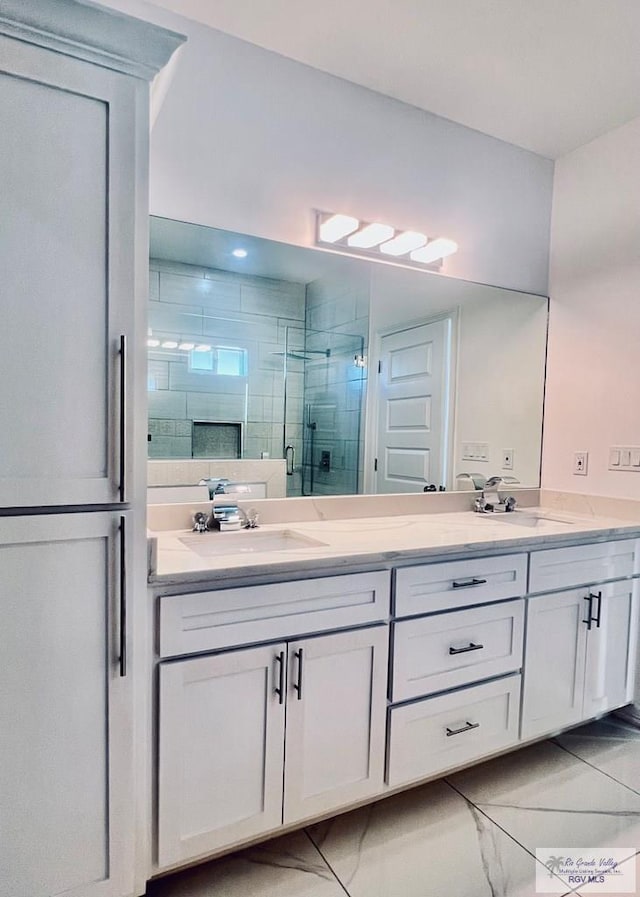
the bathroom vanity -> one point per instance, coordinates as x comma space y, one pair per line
298, 680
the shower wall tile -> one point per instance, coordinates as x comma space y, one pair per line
212, 294
175, 320
164, 403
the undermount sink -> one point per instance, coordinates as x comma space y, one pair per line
247, 541
529, 517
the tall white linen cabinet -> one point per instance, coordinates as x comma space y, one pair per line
74, 125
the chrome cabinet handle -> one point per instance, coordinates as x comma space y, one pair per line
469, 647
298, 684
290, 455
597, 596
466, 728
123, 597
590, 617
280, 689
123, 417
468, 582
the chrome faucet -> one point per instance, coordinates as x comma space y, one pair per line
491, 500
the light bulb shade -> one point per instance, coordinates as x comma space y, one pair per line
403, 243
202, 348
170, 344
187, 346
434, 250
336, 227
371, 235
152, 343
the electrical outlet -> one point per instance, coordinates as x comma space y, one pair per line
507, 459
580, 463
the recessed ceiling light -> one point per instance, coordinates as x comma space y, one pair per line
434, 250
152, 343
187, 346
336, 227
169, 344
202, 348
240, 253
371, 235
404, 243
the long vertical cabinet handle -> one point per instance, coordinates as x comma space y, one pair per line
298, 684
123, 596
123, 417
589, 619
290, 456
598, 597
279, 690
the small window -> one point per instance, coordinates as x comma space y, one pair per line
225, 360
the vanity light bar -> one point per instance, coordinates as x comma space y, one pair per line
344, 233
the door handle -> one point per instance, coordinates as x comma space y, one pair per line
123, 596
466, 728
290, 456
279, 690
298, 683
123, 418
469, 647
590, 618
597, 596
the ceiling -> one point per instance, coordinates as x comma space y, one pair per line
547, 75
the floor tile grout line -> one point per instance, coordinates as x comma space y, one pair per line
594, 767
325, 860
505, 832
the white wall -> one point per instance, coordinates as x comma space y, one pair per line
593, 379
250, 141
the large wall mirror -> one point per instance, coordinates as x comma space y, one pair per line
365, 377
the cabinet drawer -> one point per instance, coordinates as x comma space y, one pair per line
437, 734
433, 587
217, 619
561, 568
448, 650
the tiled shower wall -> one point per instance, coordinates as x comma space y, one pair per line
335, 388
227, 309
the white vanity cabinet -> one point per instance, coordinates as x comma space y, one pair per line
455, 687
581, 642
580, 657
66, 772
234, 726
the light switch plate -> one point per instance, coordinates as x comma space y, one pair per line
624, 457
475, 451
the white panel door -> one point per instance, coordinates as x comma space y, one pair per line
412, 408
67, 251
335, 721
611, 647
554, 663
221, 750
66, 744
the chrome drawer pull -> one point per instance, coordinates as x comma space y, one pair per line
469, 647
468, 582
466, 728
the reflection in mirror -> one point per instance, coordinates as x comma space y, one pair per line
365, 377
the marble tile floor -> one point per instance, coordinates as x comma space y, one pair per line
473, 834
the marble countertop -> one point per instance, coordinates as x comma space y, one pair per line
178, 556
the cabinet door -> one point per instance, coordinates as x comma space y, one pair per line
221, 750
66, 745
554, 662
67, 253
611, 647
335, 721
